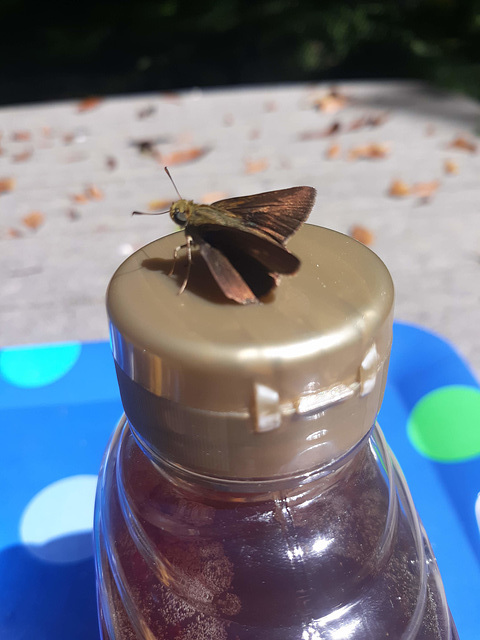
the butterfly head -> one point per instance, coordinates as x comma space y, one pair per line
181, 211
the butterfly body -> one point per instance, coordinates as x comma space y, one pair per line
192, 216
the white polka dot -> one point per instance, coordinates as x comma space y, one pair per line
57, 523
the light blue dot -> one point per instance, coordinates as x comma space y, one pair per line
38, 366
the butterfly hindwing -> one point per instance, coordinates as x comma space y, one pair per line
225, 275
274, 257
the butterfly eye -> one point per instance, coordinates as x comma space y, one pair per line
179, 216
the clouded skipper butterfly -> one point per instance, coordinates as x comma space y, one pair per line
242, 240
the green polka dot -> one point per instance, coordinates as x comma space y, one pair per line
445, 424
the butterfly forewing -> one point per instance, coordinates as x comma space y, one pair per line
275, 213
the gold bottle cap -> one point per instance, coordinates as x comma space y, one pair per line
257, 391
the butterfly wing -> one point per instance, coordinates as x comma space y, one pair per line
277, 214
226, 276
242, 239
244, 265
233, 242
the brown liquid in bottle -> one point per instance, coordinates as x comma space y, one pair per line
332, 558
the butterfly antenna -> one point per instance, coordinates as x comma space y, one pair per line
149, 213
171, 180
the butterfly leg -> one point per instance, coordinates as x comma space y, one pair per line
175, 257
188, 246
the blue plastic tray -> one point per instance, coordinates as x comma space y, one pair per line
58, 406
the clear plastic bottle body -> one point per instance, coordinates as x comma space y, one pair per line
336, 555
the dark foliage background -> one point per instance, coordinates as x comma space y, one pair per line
52, 50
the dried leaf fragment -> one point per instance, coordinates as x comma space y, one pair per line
256, 166
362, 234
148, 147
14, 233
146, 112
451, 167
377, 150
23, 156
21, 136
93, 192
88, 103
111, 163
464, 144
375, 120
181, 157
171, 96
357, 124
33, 220
145, 146
74, 214
371, 120
331, 102
399, 189
7, 184
332, 129
425, 190
79, 198
333, 151
372, 151
78, 136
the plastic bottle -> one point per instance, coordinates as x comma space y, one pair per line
247, 493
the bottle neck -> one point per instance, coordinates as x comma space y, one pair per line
325, 475
229, 444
